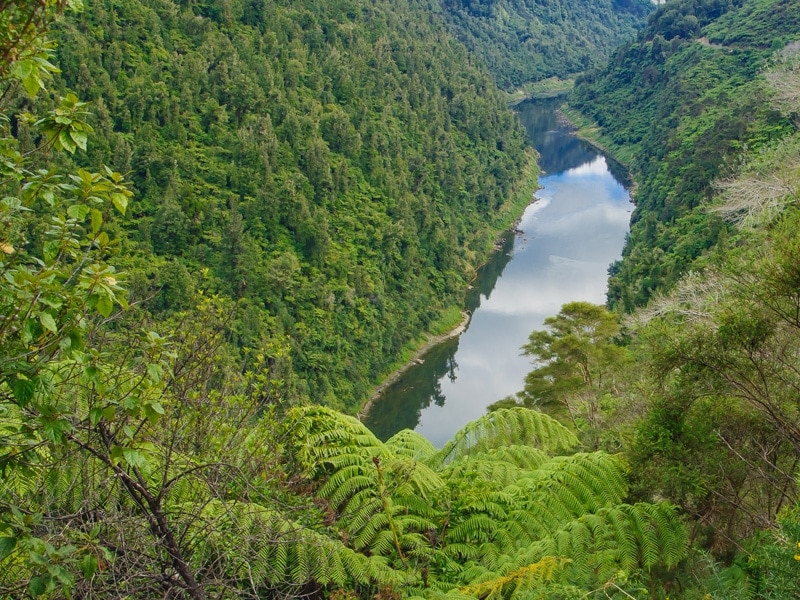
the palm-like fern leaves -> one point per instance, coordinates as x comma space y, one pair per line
506, 427
252, 543
382, 500
492, 514
411, 444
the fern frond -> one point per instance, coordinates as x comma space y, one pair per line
410, 444
248, 539
510, 426
496, 473
405, 476
521, 580
624, 537
581, 482
524, 457
347, 482
321, 437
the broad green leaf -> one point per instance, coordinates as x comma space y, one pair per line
54, 430
52, 301
155, 372
95, 414
66, 142
48, 322
78, 211
23, 389
134, 458
97, 220
79, 137
63, 576
37, 586
105, 305
7, 545
88, 566
153, 411
120, 201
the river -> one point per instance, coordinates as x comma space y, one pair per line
560, 252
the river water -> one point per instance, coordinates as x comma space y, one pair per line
560, 252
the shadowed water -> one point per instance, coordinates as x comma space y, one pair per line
565, 243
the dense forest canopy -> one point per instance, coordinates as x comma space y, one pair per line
263, 201
528, 40
698, 387
679, 105
334, 167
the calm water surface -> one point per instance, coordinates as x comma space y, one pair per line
561, 252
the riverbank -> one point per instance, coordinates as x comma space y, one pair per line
416, 358
588, 131
507, 218
544, 88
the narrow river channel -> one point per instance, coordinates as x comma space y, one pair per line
560, 252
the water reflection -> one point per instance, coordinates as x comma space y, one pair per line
568, 238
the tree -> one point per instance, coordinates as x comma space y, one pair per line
499, 511
575, 360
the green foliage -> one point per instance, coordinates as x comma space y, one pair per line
336, 166
522, 41
503, 428
482, 517
718, 433
681, 103
578, 364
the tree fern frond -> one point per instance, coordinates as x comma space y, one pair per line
524, 457
624, 537
583, 482
277, 550
495, 472
408, 476
502, 427
358, 520
473, 529
346, 482
411, 444
462, 551
521, 580
381, 543
319, 436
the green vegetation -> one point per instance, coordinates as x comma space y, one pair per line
522, 41
307, 189
148, 448
698, 389
337, 168
678, 108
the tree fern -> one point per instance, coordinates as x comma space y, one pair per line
509, 426
410, 444
252, 541
581, 482
492, 514
623, 537
521, 581
324, 438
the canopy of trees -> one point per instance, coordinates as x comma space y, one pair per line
702, 398
678, 106
528, 40
337, 168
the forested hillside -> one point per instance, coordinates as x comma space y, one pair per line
265, 200
336, 168
528, 40
698, 386
679, 105
140, 455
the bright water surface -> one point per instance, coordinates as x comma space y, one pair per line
560, 253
